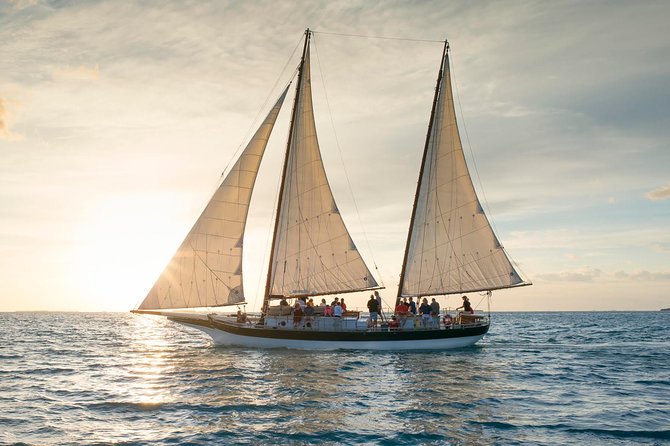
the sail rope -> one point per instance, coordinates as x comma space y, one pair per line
346, 174
379, 37
254, 123
474, 164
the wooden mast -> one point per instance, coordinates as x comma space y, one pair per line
423, 162
268, 283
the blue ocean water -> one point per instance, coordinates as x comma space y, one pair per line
537, 378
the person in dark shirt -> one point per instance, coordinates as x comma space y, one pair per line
373, 308
412, 306
425, 311
467, 307
309, 316
435, 306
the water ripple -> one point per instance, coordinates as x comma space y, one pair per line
537, 378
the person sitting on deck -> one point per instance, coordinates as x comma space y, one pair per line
241, 317
302, 303
343, 305
393, 323
401, 309
412, 306
334, 302
283, 302
309, 316
425, 310
327, 310
337, 310
467, 307
297, 315
310, 302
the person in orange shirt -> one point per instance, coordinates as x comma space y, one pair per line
401, 308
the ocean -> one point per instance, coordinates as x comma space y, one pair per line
536, 378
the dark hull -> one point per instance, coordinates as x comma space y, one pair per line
225, 333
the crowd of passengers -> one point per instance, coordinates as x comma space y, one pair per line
304, 310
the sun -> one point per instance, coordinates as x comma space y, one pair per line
124, 245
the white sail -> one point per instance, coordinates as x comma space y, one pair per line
312, 250
207, 268
451, 246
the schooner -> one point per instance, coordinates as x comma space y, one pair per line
451, 247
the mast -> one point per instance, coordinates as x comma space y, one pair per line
423, 162
266, 296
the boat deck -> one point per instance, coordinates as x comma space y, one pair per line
355, 323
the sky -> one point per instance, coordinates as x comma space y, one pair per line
117, 119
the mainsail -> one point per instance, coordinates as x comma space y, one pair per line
206, 270
451, 247
312, 252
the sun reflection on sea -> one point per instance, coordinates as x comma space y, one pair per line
152, 368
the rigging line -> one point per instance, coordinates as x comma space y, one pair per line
265, 103
379, 37
346, 174
474, 164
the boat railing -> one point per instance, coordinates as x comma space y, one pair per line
355, 321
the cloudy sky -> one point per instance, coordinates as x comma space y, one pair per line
118, 117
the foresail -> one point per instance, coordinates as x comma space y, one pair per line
207, 268
312, 250
451, 246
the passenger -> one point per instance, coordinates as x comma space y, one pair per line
434, 319
467, 307
297, 315
412, 306
401, 309
425, 311
447, 320
334, 302
327, 310
283, 302
343, 305
302, 303
337, 310
435, 306
241, 317
393, 323
373, 308
309, 315
378, 298
310, 302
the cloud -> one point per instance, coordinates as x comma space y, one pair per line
585, 274
81, 72
661, 247
662, 193
22, 4
643, 276
589, 274
5, 132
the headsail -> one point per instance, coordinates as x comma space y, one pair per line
451, 247
313, 252
207, 268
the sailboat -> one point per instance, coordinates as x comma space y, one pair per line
450, 249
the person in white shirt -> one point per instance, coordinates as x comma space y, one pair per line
337, 310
